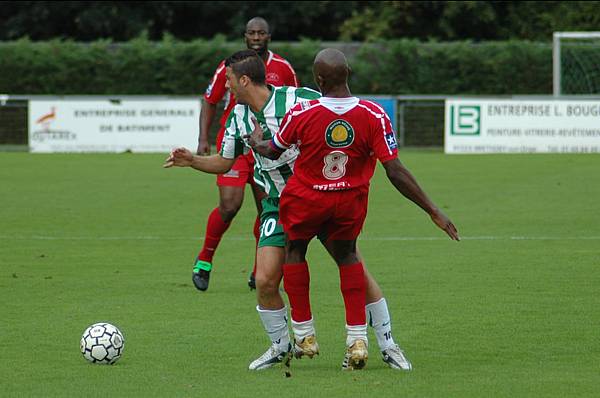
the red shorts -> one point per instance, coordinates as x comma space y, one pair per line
241, 172
305, 212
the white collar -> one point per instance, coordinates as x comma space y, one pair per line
339, 105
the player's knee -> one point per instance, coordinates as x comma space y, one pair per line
266, 285
228, 211
295, 251
344, 252
345, 258
294, 257
348, 259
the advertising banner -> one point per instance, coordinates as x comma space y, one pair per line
522, 126
103, 125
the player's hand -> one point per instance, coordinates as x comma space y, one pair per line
445, 224
179, 157
257, 134
203, 148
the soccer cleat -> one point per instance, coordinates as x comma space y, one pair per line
308, 346
201, 274
395, 358
356, 356
270, 358
252, 282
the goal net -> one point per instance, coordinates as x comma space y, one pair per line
576, 63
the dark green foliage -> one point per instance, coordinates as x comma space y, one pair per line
186, 20
301, 56
411, 67
293, 20
135, 67
474, 20
173, 67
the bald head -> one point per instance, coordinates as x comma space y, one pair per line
258, 23
331, 70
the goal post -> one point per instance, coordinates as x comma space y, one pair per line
576, 63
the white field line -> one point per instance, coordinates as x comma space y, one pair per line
250, 238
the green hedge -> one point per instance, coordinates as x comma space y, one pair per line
185, 68
411, 67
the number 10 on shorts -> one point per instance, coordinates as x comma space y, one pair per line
268, 227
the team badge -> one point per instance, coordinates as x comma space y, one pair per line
339, 134
390, 139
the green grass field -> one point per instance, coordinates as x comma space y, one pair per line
512, 310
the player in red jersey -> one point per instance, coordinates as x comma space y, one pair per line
231, 184
340, 139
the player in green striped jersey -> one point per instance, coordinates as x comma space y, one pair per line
270, 174
267, 105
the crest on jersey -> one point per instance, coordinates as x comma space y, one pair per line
209, 90
390, 140
339, 134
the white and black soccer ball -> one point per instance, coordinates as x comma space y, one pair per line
102, 343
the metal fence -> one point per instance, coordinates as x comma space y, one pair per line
13, 122
420, 120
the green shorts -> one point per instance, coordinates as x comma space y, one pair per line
271, 230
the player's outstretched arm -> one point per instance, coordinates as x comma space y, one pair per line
406, 184
259, 145
215, 164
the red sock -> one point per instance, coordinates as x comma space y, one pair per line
296, 282
215, 228
354, 287
256, 237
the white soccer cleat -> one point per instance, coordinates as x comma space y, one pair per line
356, 356
395, 358
270, 358
308, 346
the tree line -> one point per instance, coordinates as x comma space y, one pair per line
293, 20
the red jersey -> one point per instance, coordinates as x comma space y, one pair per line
279, 72
340, 140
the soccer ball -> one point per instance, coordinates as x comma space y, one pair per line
102, 343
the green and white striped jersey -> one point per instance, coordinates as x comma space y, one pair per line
272, 175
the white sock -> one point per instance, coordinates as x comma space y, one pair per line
275, 323
303, 329
356, 332
378, 317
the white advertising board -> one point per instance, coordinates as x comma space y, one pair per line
96, 125
516, 126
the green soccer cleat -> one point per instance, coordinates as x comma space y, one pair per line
201, 274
